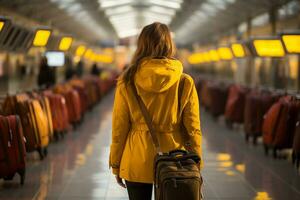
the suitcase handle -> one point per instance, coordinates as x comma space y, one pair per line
178, 152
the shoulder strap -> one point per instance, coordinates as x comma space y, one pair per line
147, 116
180, 91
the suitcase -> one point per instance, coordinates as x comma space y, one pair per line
72, 101
279, 124
46, 107
218, 97
234, 111
40, 126
296, 143
59, 113
12, 148
205, 99
256, 105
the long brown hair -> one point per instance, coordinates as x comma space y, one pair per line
154, 41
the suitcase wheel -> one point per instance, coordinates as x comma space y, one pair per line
254, 140
294, 157
22, 176
266, 148
274, 153
8, 178
247, 138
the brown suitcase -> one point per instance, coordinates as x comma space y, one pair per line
12, 148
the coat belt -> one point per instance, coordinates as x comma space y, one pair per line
158, 128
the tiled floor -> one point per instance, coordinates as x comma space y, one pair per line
77, 167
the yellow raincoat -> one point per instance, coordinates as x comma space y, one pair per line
132, 151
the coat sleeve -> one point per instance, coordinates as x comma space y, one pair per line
191, 120
120, 128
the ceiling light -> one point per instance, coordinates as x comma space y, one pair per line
169, 4
128, 33
162, 10
269, 47
238, 50
119, 10
65, 43
291, 42
41, 37
113, 3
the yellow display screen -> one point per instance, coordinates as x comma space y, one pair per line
65, 43
88, 54
292, 43
80, 50
238, 50
195, 58
206, 57
214, 56
225, 53
41, 38
269, 48
1, 25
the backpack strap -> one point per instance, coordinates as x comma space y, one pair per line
147, 116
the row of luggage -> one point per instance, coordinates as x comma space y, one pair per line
29, 121
272, 115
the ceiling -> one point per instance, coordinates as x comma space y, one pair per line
107, 20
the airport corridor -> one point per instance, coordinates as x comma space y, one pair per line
77, 166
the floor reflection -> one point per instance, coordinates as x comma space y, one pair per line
77, 167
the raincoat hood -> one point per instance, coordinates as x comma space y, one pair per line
158, 75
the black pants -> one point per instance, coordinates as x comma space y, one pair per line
139, 191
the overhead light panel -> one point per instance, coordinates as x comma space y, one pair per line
291, 42
169, 4
65, 43
238, 50
114, 3
88, 54
162, 10
268, 47
2, 23
214, 56
119, 10
80, 50
195, 58
41, 37
225, 53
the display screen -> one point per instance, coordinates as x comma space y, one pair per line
269, 47
55, 58
292, 43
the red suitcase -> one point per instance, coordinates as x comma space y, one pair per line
234, 111
218, 96
256, 105
296, 143
12, 148
279, 124
72, 101
59, 112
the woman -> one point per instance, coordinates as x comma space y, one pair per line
156, 76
